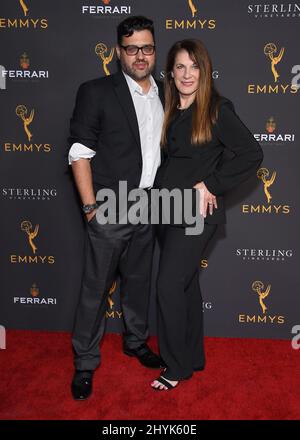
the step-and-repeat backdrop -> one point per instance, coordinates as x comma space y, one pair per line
250, 273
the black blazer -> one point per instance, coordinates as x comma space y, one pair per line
104, 120
232, 156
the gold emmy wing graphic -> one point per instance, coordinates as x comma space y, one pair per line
24, 7
34, 290
21, 111
101, 50
262, 174
270, 125
192, 8
258, 287
269, 50
24, 61
27, 227
111, 291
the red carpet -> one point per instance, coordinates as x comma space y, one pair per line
244, 379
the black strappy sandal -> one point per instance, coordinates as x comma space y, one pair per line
164, 382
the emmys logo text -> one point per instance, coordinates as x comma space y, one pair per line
274, 56
193, 19
112, 313
27, 122
267, 179
26, 22
262, 293
31, 234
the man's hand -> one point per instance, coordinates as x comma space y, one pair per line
90, 215
207, 199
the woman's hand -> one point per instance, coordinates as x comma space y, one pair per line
207, 199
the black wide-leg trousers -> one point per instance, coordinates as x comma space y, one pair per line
180, 315
109, 249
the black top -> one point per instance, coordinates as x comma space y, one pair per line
229, 158
179, 113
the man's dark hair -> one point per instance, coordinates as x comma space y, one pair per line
131, 24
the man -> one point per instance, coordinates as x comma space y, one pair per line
115, 136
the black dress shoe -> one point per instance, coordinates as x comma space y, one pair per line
201, 368
145, 356
82, 384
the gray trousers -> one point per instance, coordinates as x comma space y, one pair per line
109, 249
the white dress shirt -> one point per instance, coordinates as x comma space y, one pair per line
149, 112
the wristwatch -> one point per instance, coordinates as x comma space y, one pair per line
89, 208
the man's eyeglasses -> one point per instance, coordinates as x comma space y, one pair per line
148, 49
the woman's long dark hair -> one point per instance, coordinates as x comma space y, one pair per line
205, 110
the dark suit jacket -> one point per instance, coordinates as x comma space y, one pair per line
232, 156
104, 120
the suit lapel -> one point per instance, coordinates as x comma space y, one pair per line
125, 99
161, 92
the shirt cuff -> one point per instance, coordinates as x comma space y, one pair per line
80, 151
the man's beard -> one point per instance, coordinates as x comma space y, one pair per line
135, 74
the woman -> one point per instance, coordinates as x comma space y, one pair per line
206, 147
